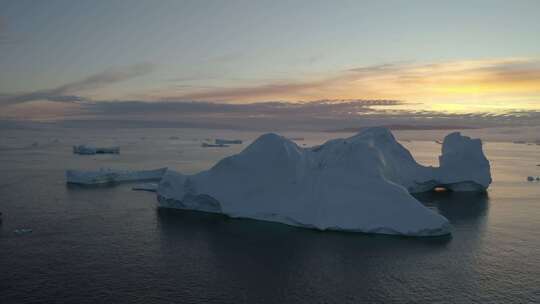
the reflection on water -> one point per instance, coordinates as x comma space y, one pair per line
455, 206
297, 261
256, 260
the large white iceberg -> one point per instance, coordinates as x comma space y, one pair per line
108, 176
361, 183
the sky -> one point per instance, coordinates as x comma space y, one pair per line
64, 59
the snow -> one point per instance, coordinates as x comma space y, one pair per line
361, 183
105, 176
89, 150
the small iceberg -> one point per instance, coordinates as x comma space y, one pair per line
89, 150
109, 176
220, 141
207, 145
22, 231
150, 187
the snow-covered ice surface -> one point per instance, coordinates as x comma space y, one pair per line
361, 183
105, 176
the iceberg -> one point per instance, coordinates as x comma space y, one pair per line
22, 231
89, 150
219, 141
360, 184
150, 187
207, 145
111, 176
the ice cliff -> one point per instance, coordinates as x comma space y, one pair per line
361, 183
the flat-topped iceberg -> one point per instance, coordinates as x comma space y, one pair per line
361, 183
150, 187
220, 141
89, 150
108, 176
207, 145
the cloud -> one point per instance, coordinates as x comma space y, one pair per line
315, 115
67, 92
317, 108
253, 92
481, 82
309, 115
485, 92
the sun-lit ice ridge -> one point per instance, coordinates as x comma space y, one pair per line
361, 183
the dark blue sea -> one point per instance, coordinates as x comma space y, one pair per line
113, 245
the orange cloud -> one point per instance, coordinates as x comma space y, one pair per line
473, 82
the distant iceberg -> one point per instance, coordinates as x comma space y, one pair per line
89, 150
362, 183
207, 145
107, 176
219, 141
150, 187
533, 178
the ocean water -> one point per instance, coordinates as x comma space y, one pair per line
113, 245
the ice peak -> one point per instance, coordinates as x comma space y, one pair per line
268, 143
381, 134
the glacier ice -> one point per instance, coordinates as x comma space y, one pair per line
107, 176
361, 183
